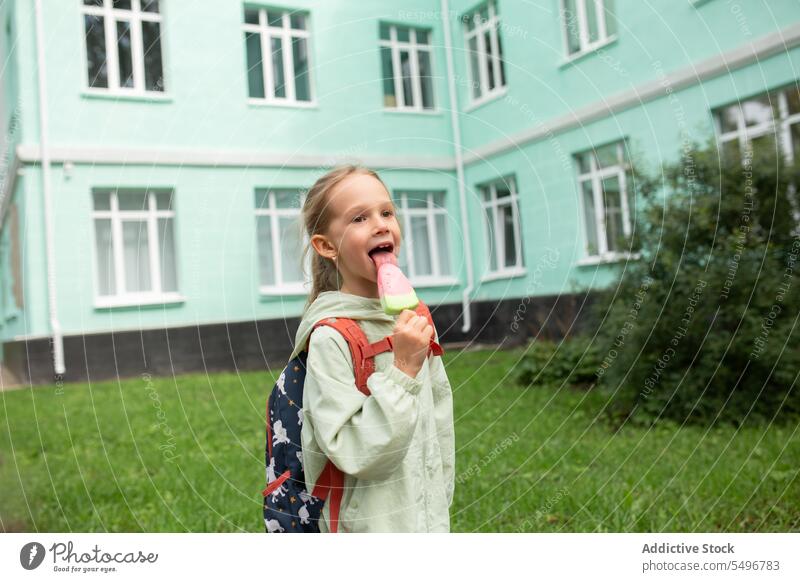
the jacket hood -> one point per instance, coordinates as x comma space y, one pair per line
337, 304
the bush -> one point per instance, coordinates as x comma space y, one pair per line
703, 327
575, 361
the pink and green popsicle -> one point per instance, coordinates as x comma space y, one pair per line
395, 291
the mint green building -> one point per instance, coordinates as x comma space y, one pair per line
156, 153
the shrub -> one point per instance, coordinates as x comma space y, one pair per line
573, 362
703, 327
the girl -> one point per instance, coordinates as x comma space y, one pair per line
396, 447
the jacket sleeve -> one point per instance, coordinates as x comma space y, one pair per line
443, 414
366, 437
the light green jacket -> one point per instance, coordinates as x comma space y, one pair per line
395, 447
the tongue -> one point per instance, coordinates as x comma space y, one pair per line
383, 257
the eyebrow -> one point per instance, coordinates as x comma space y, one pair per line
360, 207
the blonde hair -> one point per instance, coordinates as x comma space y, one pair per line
317, 217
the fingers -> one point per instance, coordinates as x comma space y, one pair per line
406, 315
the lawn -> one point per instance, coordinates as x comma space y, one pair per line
186, 454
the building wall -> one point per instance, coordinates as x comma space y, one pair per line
204, 140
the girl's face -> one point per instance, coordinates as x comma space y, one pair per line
364, 218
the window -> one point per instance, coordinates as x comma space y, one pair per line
284, 76
606, 200
502, 228
134, 246
484, 51
280, 240
425, 255
766, 117
406, 60
123, 45
587, 24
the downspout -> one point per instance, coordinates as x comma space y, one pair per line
462, 194
55, 326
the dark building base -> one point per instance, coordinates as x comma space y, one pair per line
255, 345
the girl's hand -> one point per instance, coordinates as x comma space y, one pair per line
412, 336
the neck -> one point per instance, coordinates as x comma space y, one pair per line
363, 288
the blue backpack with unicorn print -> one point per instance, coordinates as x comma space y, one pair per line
288, 505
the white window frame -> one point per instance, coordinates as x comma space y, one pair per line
274, 214
497, 246
430, 213
413, 47
586, 46
151, 215
595, 176
111, 16
478, 30
781, 127
286, 33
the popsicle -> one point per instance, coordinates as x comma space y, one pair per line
394, 289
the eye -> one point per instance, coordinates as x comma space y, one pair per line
357, 217
388, 213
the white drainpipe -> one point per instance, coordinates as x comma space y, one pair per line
55, 326
462, 194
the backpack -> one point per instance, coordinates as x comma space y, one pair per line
288, 506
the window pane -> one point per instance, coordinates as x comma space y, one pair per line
757, 111
475, 67
105, 257
503, 189
151, 39
589, 218
591, 20
122, 4
132, 200
286, 199
93, 2
422, 246
262, 198
302, 90
490, 246
405, 67
137, 256
607, 156
423, 37
509, 240
500, 62
584, 162
251, 15
571, 25
384, 31
102, 200
728, 119
255, 70
469, 21
483, 13
426, 79
613, 213
417, 200
274, 18
291, 250
487, 44
793, 99
442, 244
266, 266
486, 193
403, 34
277, 67
389, 99
124, 51
150, 5
166, 241
163, 200
438, 199
298, 21
96, 51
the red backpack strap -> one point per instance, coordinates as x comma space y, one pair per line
358, 343
423, 310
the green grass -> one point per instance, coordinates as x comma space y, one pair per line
95, 458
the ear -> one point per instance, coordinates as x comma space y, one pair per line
323, 246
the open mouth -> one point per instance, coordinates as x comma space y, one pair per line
381, 248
